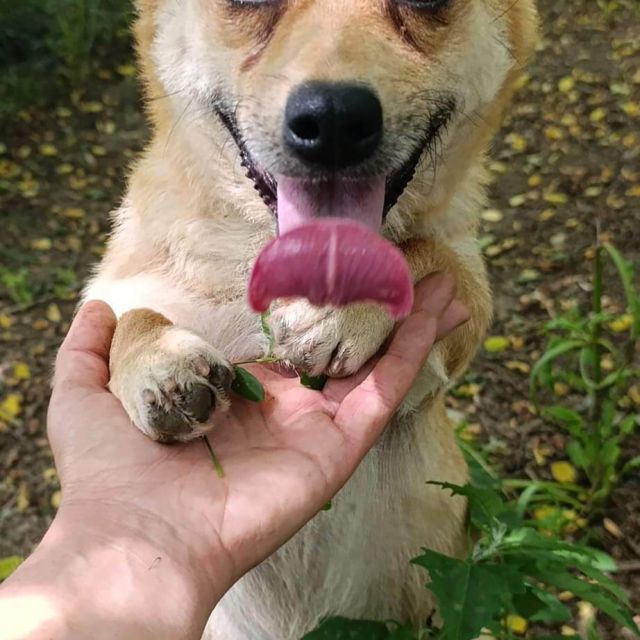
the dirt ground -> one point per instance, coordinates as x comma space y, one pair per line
568, 157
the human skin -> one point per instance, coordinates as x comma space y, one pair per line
148, 538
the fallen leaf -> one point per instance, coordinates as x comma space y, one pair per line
563, 472
621, 324
53, 313
21, 371
22, 501
517, 624
496, 344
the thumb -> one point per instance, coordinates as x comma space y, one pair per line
83, 359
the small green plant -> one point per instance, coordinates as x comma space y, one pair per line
593, 416
16, 285
47, 45
510, 579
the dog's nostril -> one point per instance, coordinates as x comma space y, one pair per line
333, 125
305, 128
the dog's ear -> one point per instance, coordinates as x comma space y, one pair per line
524, 24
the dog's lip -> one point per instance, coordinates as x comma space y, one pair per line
266, 184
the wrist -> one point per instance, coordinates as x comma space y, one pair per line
101, 572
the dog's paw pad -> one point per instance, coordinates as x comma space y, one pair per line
175, 417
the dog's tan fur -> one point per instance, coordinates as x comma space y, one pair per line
191, 224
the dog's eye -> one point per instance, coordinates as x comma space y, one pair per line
252, 3
429, 5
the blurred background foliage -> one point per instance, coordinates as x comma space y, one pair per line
49, 46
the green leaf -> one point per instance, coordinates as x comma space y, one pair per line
577, 455
313, 382
344, 629
633, 464
485, 505
245, 384
610, 453
628, 425
563, 581
8, 565
537, 605
553, 353
266, 329
470, 596
482, 475
571, 420
625, 271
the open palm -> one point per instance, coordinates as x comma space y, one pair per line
283, 459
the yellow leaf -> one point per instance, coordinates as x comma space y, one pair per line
53, 313
11, 406
566, 84
612, 528
632, 109
519, 366
22, 501
41, 244
64, 169
517, 201
126, 70
563, 472
556, 198
496, 344
48, 150
561, 389
492, 215
518, 143
74, 213
6, 321
568, 631
50, 474
535, 180
634, 192
598, 115
468, 390
8, 565
545, 512
56, 499
21, 371
621, 324
98, 150
517, 624
634, 394
8, 169
553, 133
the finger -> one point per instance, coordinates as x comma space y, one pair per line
83, 359
368, 407
432, 294
455, 316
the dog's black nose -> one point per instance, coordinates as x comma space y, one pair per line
333, 125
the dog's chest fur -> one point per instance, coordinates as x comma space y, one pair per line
354, 560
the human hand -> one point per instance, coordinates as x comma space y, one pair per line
163, 513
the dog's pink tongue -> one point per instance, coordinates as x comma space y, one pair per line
332, 261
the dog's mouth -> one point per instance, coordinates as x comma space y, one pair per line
368, 200
311, 216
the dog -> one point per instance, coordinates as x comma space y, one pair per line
247, 98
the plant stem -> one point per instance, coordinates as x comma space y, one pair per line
596, 349
216, 463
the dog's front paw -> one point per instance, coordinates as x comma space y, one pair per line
336, 342
171, 387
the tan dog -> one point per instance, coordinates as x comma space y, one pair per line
316, 92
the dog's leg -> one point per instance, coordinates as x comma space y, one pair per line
339, 341
168, 379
